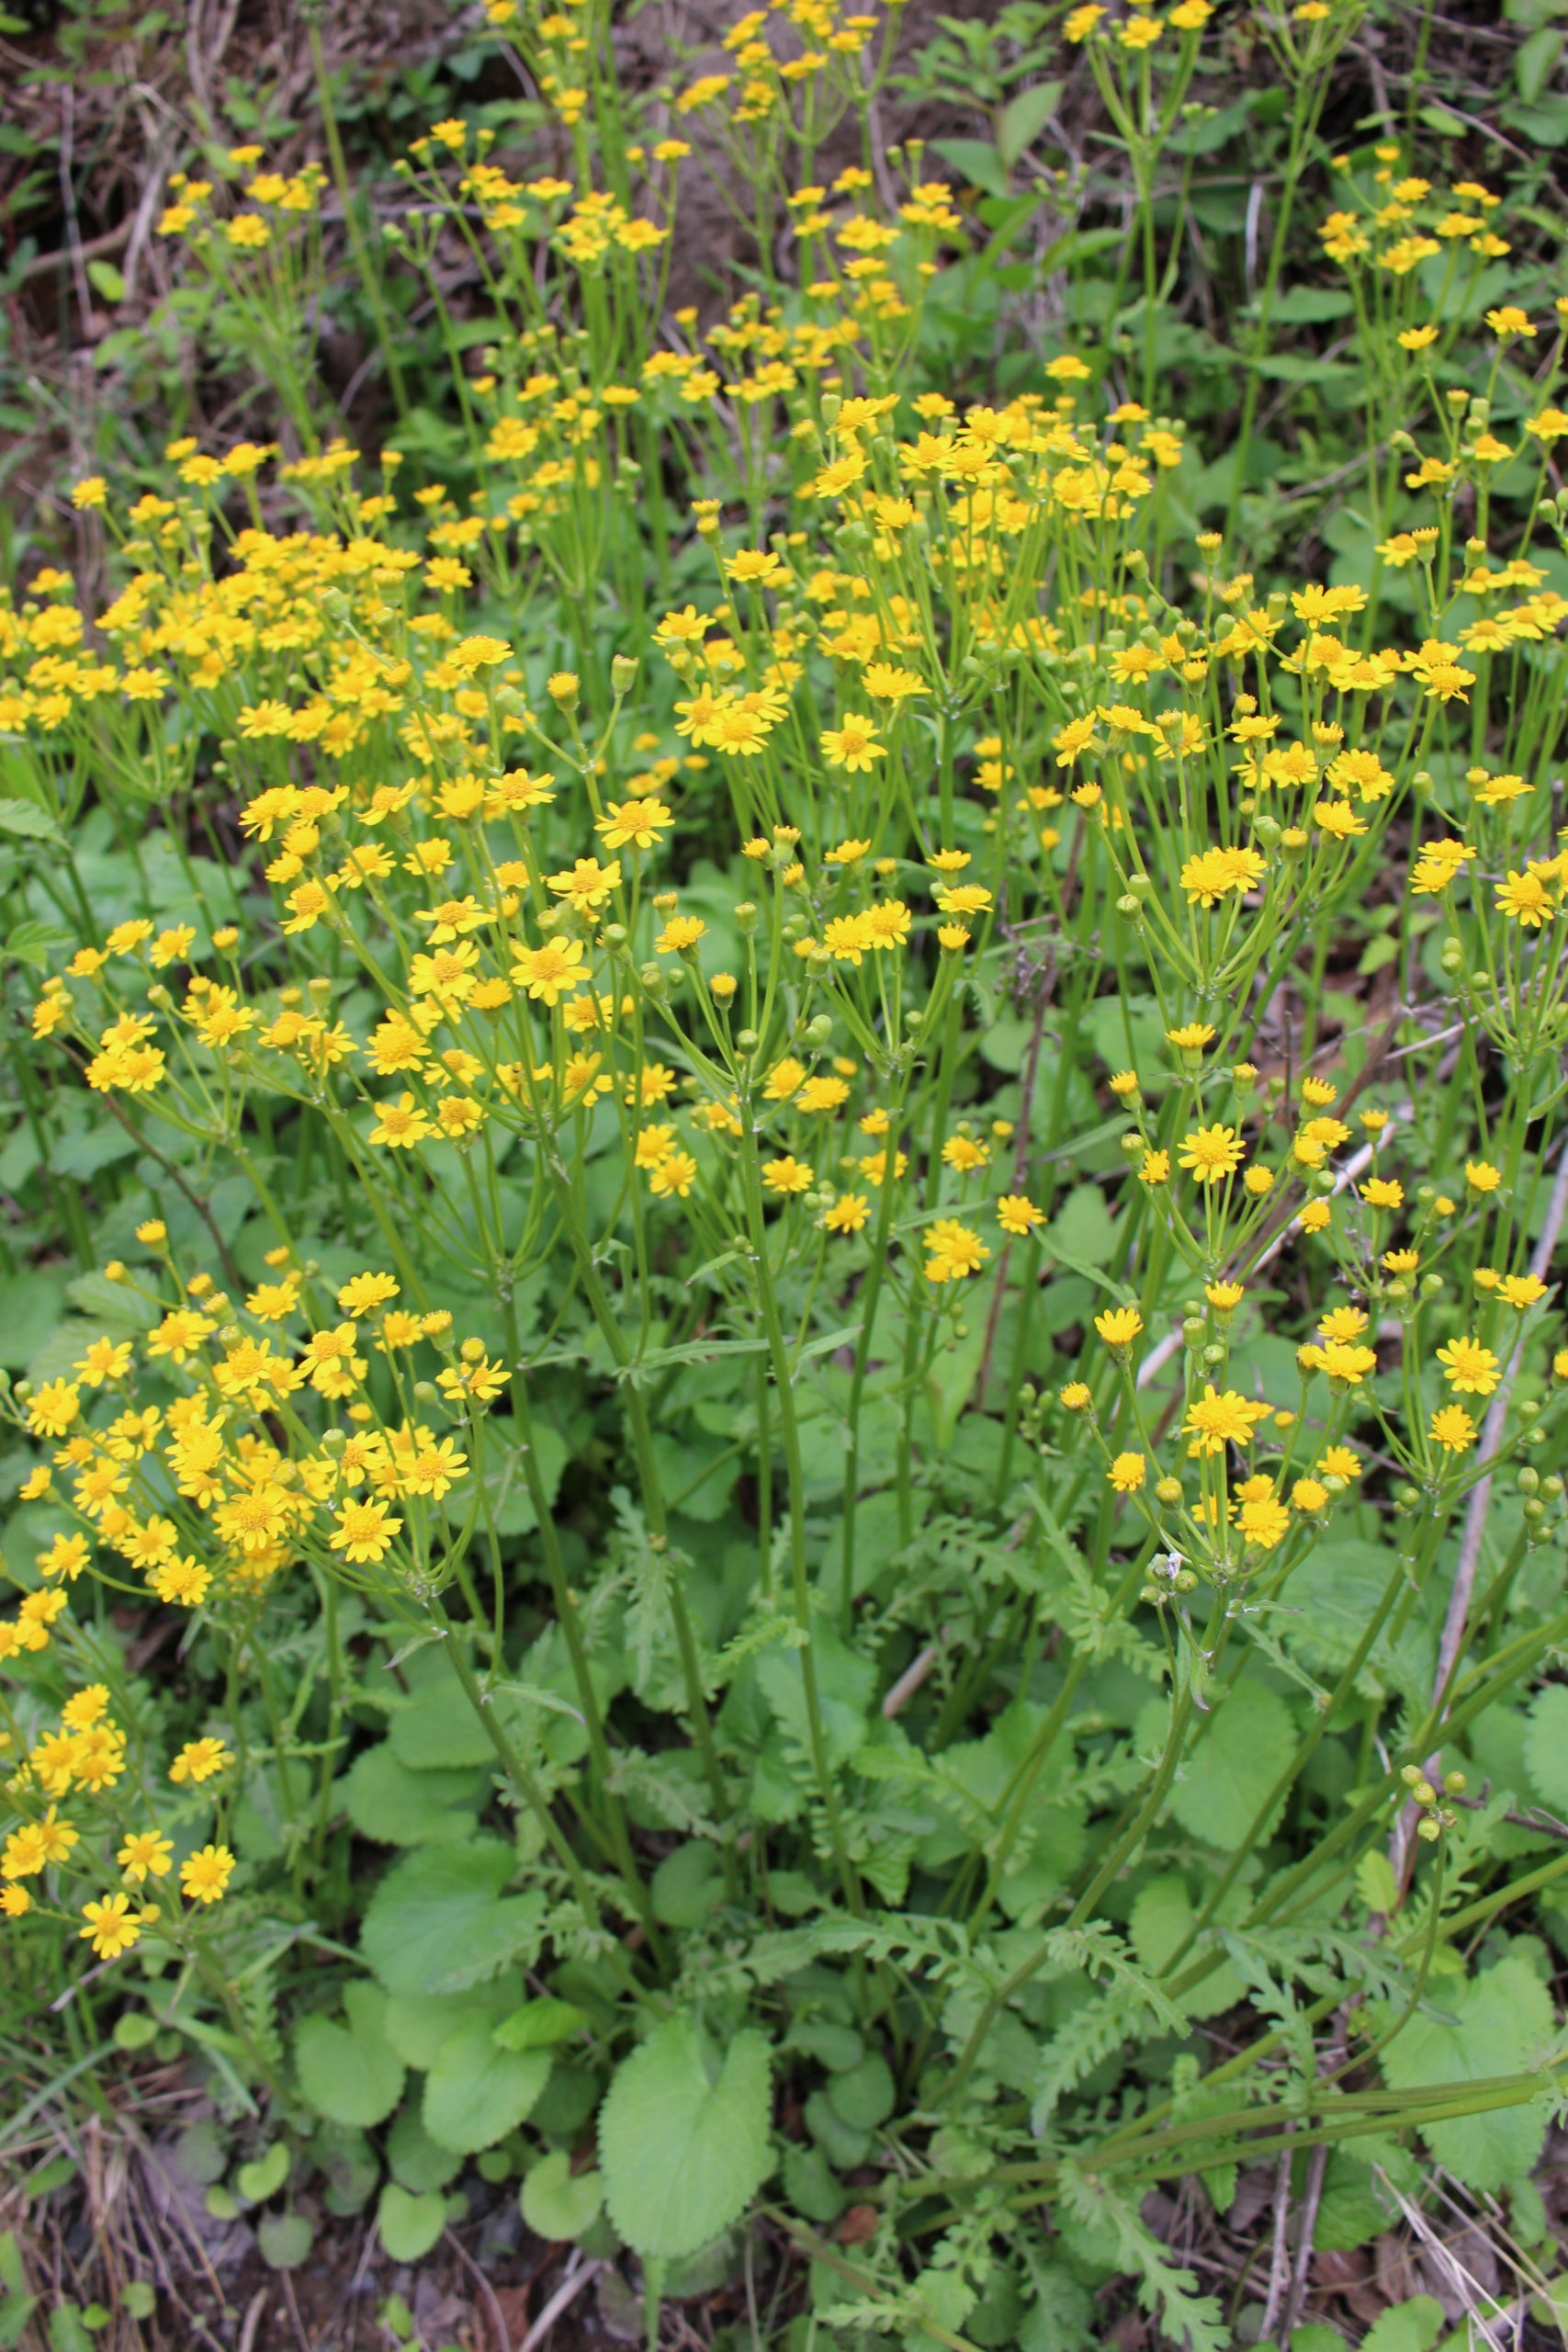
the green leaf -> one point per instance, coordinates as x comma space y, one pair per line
200, 2154
113, 1307
684, 2142
1546, 1747
476, 2092
107, 280
1413, 2326
350, 2074
16, 2310
28, 821
538, 2024
1241, 1748
285, 2240
862, 2096
410, 2225
557, 2203
265, 2175
977, 162
1162, 1918
350, 2169
687, 1887
418, 2023
1375, 1882
1083, 1229
30, 1306
437, 1729
1536, 61
386, 1802
416, 2163
1024, 118
35, 944
810, 2185
435, 1924
1494, 2024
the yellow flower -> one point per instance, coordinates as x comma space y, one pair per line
853, 746
1217, 1420
1127, 1473
955, 1251
145, 1852
399, 1124
679, 935
1212, 1154
110, 1929
1469, 1367
549, 969
1451, 1428
1017, 1214
849, 1214
1119, 1326
365, 1531
205, 1875
198, 1760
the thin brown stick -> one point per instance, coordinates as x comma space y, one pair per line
492, 2308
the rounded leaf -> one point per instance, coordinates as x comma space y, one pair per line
436, 1923
476, 2093
410, 2225
386, 1802
265, 2174
557, 2203
418, 2023
683, 2140
350, 2073
285, 2240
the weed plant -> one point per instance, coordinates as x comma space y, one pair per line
785, 1203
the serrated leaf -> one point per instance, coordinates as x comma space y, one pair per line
539, 2024
35, 944
1494, 2024
476, 2093
557, 2203
1375, 1882
1413, 2326
1162, 1919
863, 2095
26, 822
410, 2225
1546, 1745
114, 1307
386, 1802
350, 2073
418, 2023
683, 2140
436, 1923
1240, 1750
436, 1728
